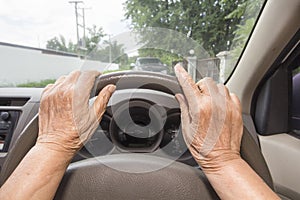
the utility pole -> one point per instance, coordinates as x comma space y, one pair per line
77, 23
83, 17
83, 26
109, 49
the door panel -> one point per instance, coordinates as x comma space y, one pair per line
282, 154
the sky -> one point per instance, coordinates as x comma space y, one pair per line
33, 22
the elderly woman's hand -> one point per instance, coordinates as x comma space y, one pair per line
66, 120
211, 121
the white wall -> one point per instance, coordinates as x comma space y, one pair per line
19, 65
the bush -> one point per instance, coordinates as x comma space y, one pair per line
40, 84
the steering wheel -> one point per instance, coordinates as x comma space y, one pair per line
92, 178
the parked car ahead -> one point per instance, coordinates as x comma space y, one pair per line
150, 64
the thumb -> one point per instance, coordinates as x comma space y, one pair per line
185, 119
102, 99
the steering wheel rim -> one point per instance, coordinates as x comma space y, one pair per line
77, 172
189, 182
145, 80
91, 179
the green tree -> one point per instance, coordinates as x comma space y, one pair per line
59, 44
109, 51
202, 20
248, 12
91, 41
94, 37
96, 49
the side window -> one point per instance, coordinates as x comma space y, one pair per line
277, 102
295, 109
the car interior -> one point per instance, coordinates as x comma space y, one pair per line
115, 165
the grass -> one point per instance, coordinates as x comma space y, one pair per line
117, 70
38, 84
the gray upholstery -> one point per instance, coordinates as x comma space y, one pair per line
92, 179
24, 143
251, 153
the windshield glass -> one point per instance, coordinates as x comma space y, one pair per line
144, 61
42, 40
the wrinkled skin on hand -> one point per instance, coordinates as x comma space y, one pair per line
66, 120
211, 121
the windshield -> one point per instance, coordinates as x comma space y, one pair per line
144, 61
42, 40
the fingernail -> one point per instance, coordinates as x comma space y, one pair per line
97, 73
177, 69
112, 88
178, 97
177, 66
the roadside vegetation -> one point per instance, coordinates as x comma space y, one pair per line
38, 84
231, 21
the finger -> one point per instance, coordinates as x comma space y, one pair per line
236, 101
87, 78
60, 80
223, 90
185, 119
56, 85
206, 85
47, 88
102, 99
84, 86
217, 95
188, 86
43, 102
66, 83
185, 116
99, 107
65, 88
72, 77
237, 123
